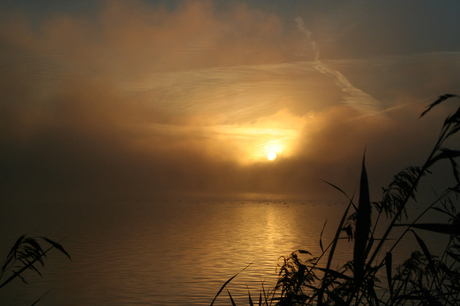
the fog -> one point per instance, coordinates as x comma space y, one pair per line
142, 98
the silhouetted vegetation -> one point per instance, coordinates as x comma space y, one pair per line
369, 277
26, 254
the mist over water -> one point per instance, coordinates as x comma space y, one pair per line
165, 252
121, 101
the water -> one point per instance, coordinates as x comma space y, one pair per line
164, 252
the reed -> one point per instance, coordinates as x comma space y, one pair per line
27, 254
422, 279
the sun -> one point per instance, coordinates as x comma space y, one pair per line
271, 155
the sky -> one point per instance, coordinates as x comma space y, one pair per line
142, 98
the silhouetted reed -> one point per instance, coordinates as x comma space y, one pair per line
422, 279
26, 254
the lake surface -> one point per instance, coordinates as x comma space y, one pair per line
164, 252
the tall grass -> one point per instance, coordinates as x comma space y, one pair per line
27, 254
422, 279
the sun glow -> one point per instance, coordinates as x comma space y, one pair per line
271, 156
264, 140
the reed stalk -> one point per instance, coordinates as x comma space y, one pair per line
422, 279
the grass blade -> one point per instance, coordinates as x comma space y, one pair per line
423, 246
454, 256
12, 253
336, 274
439, 100
34, 303
250, 299
388, 265
331, 253
451, 229
321, 237
445, 153
363, 225
228, 281
57, 246
341, 191
444, 212
337, 299
231, 299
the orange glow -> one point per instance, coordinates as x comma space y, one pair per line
271, 156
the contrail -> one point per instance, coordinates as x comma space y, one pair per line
356, 97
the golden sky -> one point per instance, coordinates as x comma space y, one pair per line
151, 97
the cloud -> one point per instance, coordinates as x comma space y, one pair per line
356, 97
144, 99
